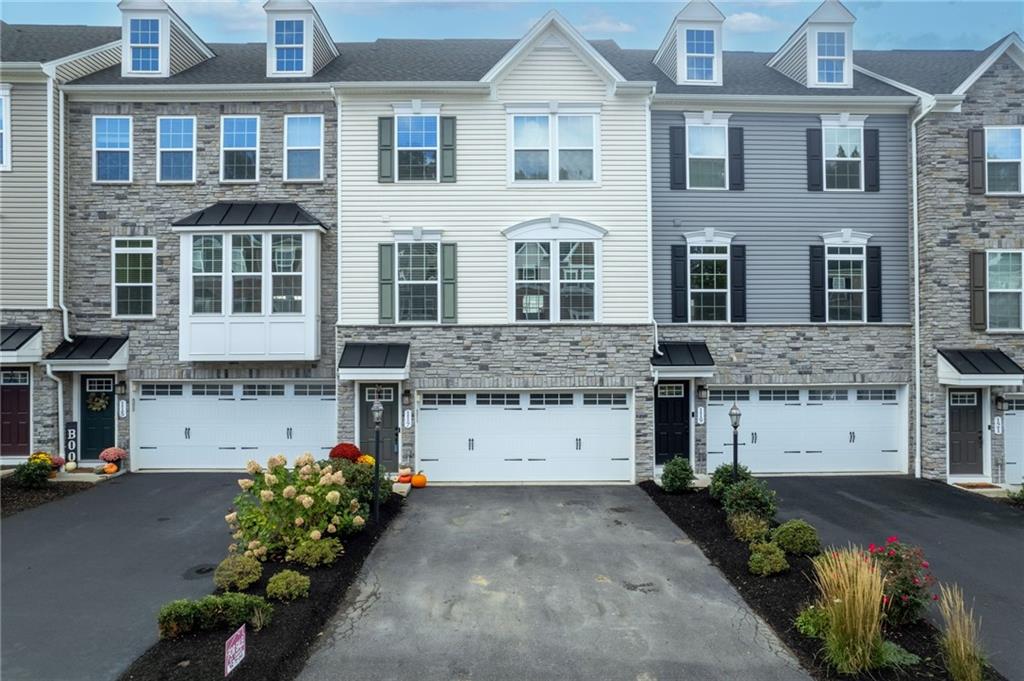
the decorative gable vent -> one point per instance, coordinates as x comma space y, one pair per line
298, 44
819, 54
156, 42
691, 53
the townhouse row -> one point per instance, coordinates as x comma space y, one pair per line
549, 259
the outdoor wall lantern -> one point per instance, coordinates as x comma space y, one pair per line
121, 388
1000, 403
406, 397
702, 392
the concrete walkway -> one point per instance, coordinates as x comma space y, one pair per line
543, 583
84, 577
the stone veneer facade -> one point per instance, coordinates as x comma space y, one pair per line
953, 223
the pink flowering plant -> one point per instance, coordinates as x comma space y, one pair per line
56, 460
908, 581
113, 454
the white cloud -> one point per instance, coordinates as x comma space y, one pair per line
243, 15
604, 24
751, 22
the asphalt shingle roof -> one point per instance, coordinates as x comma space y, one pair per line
933, 71
42, 43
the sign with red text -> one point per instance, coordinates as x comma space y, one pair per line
234, 650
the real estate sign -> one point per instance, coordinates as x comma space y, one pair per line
234, 650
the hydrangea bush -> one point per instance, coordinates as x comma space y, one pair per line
908, 581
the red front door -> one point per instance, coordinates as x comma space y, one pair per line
15, 413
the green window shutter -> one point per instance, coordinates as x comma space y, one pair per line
385, 149
447, 148
386, 283
449, 280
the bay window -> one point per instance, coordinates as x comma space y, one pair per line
844, 282
1005, 290
286, 273
1004, 157
207, 273
418, 288
553, 146
709, 283
246, 273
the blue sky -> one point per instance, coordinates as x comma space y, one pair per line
751, 24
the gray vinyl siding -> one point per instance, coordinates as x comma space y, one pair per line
79, 68
321, 50
184, 55
669, 59
23, 269
794, 62
777, 218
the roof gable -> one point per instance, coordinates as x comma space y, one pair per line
700, 10
1011, 45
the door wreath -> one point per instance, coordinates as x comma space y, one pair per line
97, 401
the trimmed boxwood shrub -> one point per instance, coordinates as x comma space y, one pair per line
237, 572
677, 476
287, 585
748, 527
181, 617
750, 496
797, 537
314, 553
766, 559
721, 479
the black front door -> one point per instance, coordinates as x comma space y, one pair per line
388, 394
97, 411
966, 436
671, 422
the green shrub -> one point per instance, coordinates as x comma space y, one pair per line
895, 656
181, 617
236, 573
797, 537
32, 474
721, 479
677, 476
766, 559
1016, 498
359, 478
287, 585
748, 527
314, 553
812, 621
750, 496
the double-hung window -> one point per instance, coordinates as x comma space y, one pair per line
700, 54
417, 147
289, 45
706, 150
1005, 290
554, 147
112, 149
239, 148
286, 273
831, 57
303, 148
144, 44
709, 283
1004, 158
176, 149
134, 279
5, 127
246, 273
844, 282
419, 282
207, 273
844, 165
563, 293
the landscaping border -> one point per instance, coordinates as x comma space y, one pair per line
279, 651
15, 499
779, 598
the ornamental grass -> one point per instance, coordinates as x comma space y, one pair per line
850, 588
961, 650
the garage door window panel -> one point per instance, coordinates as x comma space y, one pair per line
845, 283
604, 399
213, 390
418, 289
134, 279
497, 399
444, 399
1006, 290
709, 283
727, 395
551, 399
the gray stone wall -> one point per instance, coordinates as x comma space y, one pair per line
520, 357
952, 224
97, 212
45, 435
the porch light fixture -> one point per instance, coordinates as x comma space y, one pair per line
121, 388
734, 417
406, 397
702, 392
1000, 403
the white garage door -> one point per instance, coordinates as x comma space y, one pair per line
809, 430
224, 425
525, 437
1013, 424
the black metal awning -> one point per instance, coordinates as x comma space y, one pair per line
89, 349
374, 361
13, 338
250, 214
981, 362
682, 360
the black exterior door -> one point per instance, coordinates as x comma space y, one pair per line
97, 411
966, 436
389, 397
671, 422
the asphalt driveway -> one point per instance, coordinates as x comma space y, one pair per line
83, 577
975, 542
542, 583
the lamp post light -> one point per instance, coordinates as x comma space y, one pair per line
377, 409
734, 417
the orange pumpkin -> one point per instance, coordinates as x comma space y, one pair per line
405, 479
110, 468
419, 480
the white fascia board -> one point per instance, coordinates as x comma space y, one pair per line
80, 55
785, 103
186, 229
381, 86
667, 373
29, 353
894, 83
948, 375
636, 87
1017, 53
374, 374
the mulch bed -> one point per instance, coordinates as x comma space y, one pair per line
279, 651
779, 598
14, 499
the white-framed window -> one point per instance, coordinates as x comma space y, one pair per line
14, 377
239, 148
831, 57
700, 54
671, 390
963, 399
286, 273
207, 274
845, 283
289, 45
564, 293
176, 149
842, 155
144, 45
5, 127
112, 149
709, 283
551, 147
133, 280
707, 148
1004, 160
1005, 290
247, 274
418, 278
303, 148
417, 147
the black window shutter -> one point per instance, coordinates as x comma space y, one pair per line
385, 149
872, 176
680, 299
738, 282
447, 148
874, 281
386, 283
817, 283
815, 179
677, 157
976, 160
736, 159
979, 291
449, 278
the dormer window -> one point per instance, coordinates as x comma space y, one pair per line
831, 57
700, 54
144, 43
289, 46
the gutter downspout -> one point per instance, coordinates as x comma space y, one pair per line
60, 265
60, 405
927, 104
650, 236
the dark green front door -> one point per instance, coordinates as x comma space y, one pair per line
97, 411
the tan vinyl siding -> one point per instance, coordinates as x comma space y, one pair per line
473, 211
322, 55
23, 268
79, 68
184, 55
670, 58
794, 62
